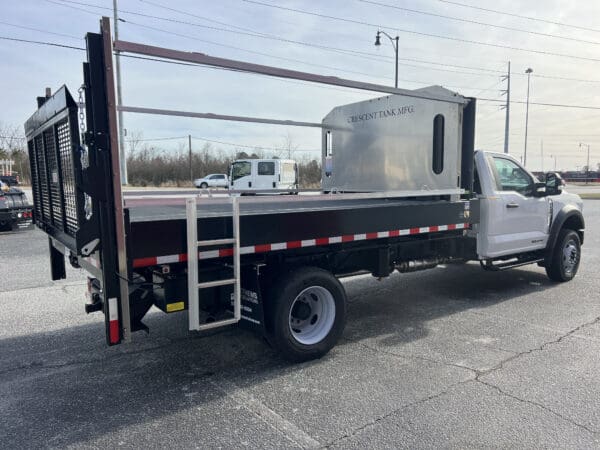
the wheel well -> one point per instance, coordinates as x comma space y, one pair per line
574, 223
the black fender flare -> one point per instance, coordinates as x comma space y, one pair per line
573, 216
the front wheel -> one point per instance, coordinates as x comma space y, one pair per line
203, 186
566, 256
307, 314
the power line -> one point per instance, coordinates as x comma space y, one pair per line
421, 33
521, 16
476, 22
260, 147
254, 33
299, 61
23, 27
214, 141
554, 105
6, 38
557, 105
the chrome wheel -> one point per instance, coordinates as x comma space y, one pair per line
570, 257
312, 315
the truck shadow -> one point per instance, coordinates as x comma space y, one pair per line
75, 389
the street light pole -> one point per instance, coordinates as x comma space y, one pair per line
587, 170
554, 156
528, 72
394, 42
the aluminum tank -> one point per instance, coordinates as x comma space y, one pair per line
389, 143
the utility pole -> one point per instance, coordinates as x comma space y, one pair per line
507, 107
528, 72
587, 171
190, 150
122, 156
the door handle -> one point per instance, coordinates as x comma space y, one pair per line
512, 205
249, 183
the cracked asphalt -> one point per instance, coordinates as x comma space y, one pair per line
452, 357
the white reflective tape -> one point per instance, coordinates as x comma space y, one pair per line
460, 225
442, 227
404, 232
167, 259
424, 230
309, 243
208, 254
335, 240
247, 250
113, 311
279, 246
360, 237
383, 234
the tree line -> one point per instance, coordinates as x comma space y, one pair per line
153, 166
150, 165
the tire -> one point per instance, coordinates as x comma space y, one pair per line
203, 186
306, 314
566, 256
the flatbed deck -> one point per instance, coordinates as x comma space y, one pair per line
157, 224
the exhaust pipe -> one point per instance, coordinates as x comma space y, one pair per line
419, 264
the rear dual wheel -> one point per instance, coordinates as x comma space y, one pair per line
306, 313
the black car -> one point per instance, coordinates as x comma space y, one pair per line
15, 210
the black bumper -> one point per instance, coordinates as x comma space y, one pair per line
17, 218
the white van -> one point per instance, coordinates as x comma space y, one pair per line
263, 174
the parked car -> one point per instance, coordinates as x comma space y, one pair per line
11, 180
15, 210
214, 180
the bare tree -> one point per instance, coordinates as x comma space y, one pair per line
13, 146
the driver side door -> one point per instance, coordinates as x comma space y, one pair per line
517, 220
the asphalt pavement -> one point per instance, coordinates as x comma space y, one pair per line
450, 357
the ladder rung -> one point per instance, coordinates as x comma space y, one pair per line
216, 242
210, 284
219, 323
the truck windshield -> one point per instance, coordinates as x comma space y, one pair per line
240, 169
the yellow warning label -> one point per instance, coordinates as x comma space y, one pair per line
178, 306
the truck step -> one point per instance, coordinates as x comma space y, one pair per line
490, 266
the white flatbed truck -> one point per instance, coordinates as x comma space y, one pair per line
419, 196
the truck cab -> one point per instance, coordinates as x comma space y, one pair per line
522, 218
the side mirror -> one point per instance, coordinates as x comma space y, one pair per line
553, 183
540, 190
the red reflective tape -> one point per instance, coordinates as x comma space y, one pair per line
262, 248
144, 262
348, 238
414, 231
433, 229
113, 331
294, 244
225, 252
322, 241
371, 235
452, 226
394, 233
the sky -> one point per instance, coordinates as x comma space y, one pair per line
336, 38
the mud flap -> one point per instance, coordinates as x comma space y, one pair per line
253, 317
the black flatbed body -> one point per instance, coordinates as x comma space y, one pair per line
157, 226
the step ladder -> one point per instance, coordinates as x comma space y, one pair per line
192, 265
